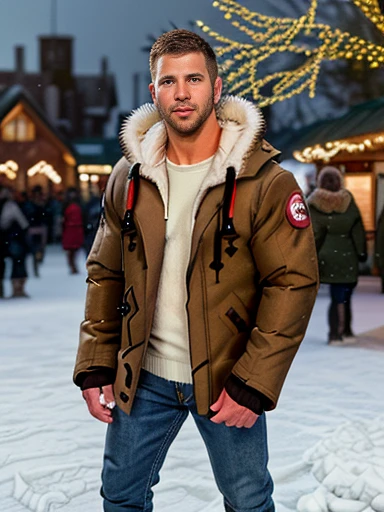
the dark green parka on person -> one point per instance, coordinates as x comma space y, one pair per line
339, 234
379, 250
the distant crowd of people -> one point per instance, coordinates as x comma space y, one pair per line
29, 221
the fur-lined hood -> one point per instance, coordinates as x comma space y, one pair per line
143, 138
328, 202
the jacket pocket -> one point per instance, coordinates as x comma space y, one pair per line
234, 314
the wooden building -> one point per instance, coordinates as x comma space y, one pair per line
32, 150
96, 158
354, 143
77, 105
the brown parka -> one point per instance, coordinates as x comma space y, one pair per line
247, 310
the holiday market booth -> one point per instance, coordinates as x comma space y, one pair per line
354, 143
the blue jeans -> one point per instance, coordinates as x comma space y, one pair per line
136, 447
341, 293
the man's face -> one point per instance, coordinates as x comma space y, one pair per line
183, 93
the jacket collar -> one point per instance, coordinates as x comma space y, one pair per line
328, 202
143, 139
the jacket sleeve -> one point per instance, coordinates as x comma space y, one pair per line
101, 329
358, 236
285, 257
246, 396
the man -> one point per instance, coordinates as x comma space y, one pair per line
202, 278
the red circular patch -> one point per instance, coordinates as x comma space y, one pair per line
296, 211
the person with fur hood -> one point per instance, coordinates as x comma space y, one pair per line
201, 282
341, 245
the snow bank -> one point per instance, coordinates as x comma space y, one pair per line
349, 465
325, 440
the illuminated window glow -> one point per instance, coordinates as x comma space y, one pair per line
20, 129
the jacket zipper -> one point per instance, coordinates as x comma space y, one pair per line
192, 262
188, 278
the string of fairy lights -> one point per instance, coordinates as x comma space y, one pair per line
43, 168
10, 169
240, 61
330, 149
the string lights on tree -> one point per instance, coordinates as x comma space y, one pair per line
315, 42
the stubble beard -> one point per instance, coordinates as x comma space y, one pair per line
186, 127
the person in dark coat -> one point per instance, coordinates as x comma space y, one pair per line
37, 215
380, 247
341, 245
14, 243
73, 228
92, 212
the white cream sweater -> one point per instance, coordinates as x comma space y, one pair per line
168, 353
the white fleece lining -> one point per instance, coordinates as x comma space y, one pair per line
143, 138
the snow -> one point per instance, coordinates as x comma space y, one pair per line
326, 437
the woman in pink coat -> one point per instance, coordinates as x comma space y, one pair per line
73, 228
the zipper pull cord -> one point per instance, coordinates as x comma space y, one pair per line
217, 264
128, 225
228, 231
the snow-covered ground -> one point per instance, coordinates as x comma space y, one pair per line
326, 436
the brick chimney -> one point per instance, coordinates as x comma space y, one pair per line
104, 66
19, 62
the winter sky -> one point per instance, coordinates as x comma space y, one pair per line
119, 29
115, 28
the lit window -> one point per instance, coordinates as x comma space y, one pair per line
9, 131
20, 129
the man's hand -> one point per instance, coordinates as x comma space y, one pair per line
99, 411
231, 413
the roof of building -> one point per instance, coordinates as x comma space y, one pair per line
361, 119
11, 96
97, 91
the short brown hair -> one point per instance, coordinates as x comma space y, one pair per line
181, 42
